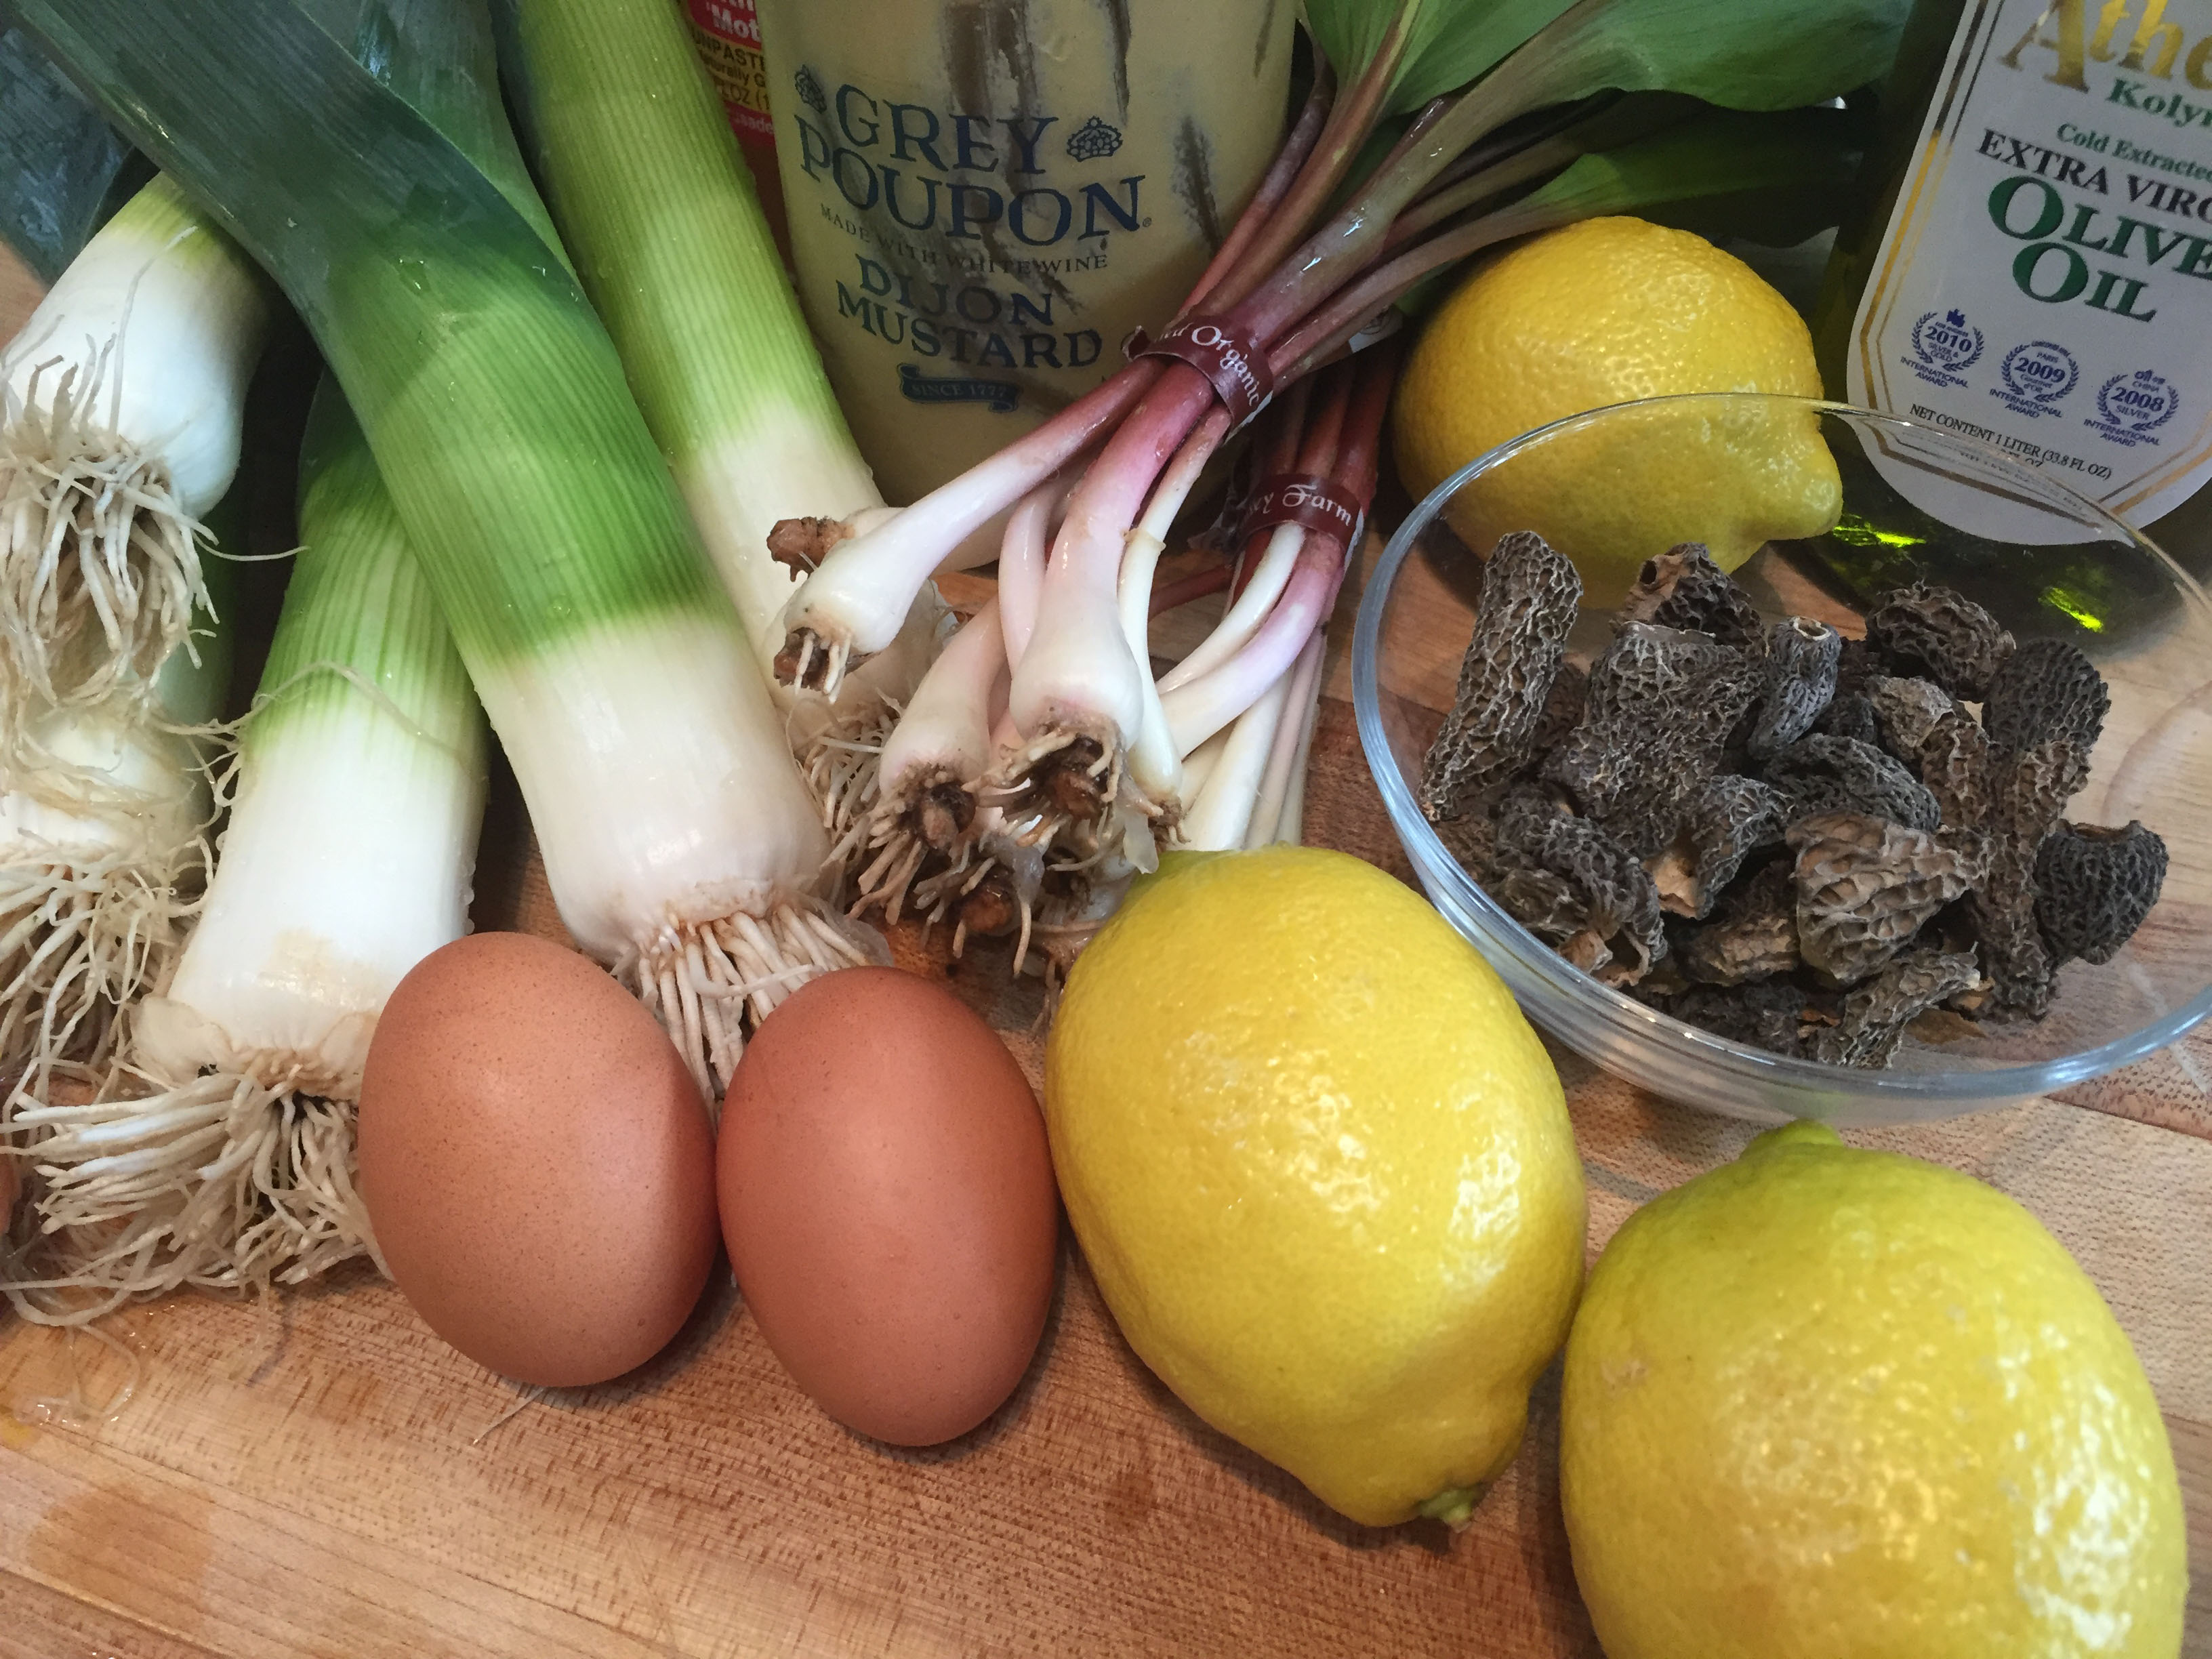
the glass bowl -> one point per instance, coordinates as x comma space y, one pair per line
1916, 503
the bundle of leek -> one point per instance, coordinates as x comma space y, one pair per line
220, 1152
678, 838
123, 402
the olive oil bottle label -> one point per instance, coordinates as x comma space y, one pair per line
2046, 282
987, 195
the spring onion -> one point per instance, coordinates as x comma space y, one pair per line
222, 1152
1094, 770
679, 837
1534, 136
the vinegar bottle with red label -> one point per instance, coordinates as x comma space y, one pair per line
727, 35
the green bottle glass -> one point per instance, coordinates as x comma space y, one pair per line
2029, 261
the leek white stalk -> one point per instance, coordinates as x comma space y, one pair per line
658, 210
228, 1159
120, 419
102, 849
679, 837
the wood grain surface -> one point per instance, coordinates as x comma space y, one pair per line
318, 1475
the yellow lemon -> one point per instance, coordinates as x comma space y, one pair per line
1841, 1404
1596, 313
1323, 1171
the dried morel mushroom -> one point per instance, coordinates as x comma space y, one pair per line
1850, 714
1876, 1013
1954, 767
1907, 711
1563, 708
2047, 689
1684, 588
1856, 665
1662, 703
1939, 634
1800, 677
2028, 794
1759, 944
2093, 887
1723, 823
1471, 838
1621, 934
1529, 597
1929, 864
1549, 906
1768, 1013
1822, 774
1864, 888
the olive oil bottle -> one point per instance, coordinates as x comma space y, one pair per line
2030, 263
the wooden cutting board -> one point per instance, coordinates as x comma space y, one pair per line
318, 1475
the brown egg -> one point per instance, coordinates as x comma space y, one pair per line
888, 1203
537, 1163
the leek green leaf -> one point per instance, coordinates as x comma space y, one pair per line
440, 57
63, 169
360, 638
490, 394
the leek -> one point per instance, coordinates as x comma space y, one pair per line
122, 400
228, 1159
657, 207
679, 837
62, 170
102, 853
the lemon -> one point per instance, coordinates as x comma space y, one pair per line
1599, 313
1322, 1172
1827, 1402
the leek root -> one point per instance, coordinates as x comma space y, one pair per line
122, 407
221, 1154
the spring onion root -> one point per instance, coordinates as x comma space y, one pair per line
931, 766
